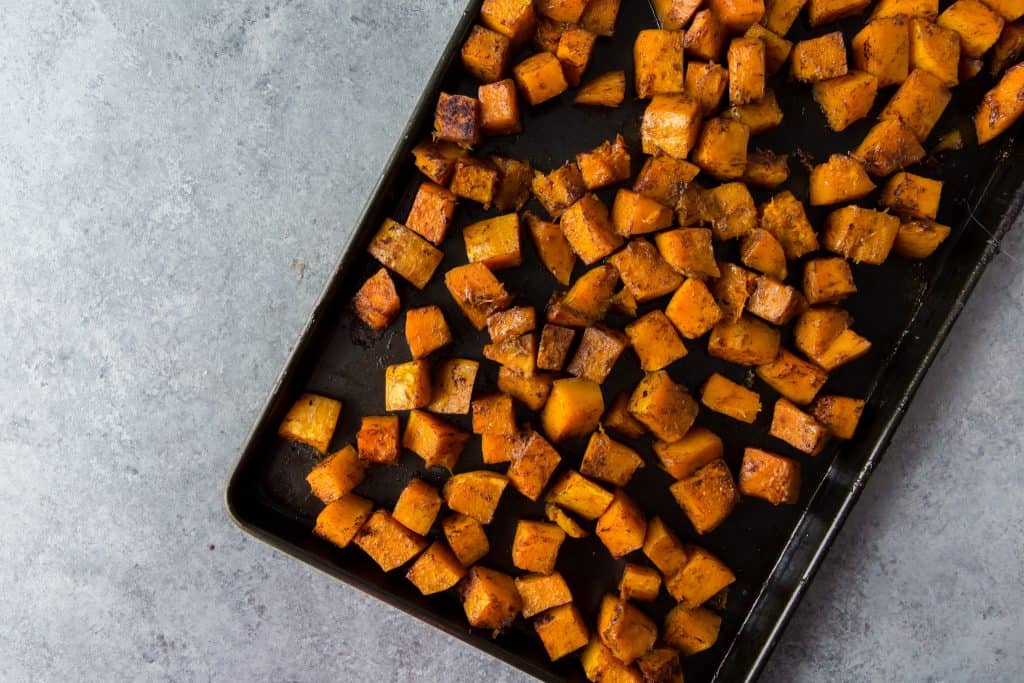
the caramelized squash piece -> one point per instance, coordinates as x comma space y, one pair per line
697, 448
553, 249
839, 413
622, 527
722, 395
707, 496
655, 341
335, 476
404, 252
745, 341
436, 570
644, 272
477, 292
610, 461
541, 592
377, 303
798, 429
597, 353
658, 61
664, 407
624, 629
475, 494
378, 440
341, 519
426, 330
794, 378
562, 631
490, 599
606, 90
387, 542
535, 546
588, 228
466, 538
840, 179
438, 442
573, 408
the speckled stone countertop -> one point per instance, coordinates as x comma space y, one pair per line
176, 179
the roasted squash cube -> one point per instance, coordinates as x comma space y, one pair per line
918, 103
839, 413
404, 252
477, 292
888, 147
774, 301
935, 49
759, 116
658, 58
466, 538
882, 48
861, 235
738, 15
475, 179
655, 341
554, 250
336, 475
624, 629
706, 36
597, 353
912, 195
574, 408
436, 160
840, 179
663, 406
498, 448
535, 547
661, 665
494, 242
675, 14
644, 272
457, 120
588, 229
670, 125
587, 301
691, 630
499, 108
920, 238
606, 164
745, 341
342, 518
609, 460
568, 11
490, 599
378, 440
846, 99
796, 379
511, 323
453, 386
407, 385
575, 46
697, 448
475, 493
435, 570
663, 548
776, 48
531, 390
559, 189
554, 347
721, 149
619, 420
387, 541
828, 281
978, 26
377, 303
533, 463
565, 522
562, 631
417, 506
635, 214
690, 251
1001, 107
797, 428
701, 577
766, 169
733, 288
622, 527
722, 395
747, 70
826, 11
769, 477
485, 54
579, 495
779, 15
907, 8
514, 19
494, 414
693, 310
600, 15
706, 82
639, 583
731, 210
819, 59
513, 190
311, 420
540, 78
426, 330
599, 664
624, 302
541, 592
707, 496
438, 442
762, 252
818, 327
606, 90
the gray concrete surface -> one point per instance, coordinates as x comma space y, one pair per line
176, 179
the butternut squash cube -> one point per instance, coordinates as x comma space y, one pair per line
707, 496
818, 327
690, 251
407, 385
587, 228
694, 206
624, 302
485, 54
797, 428
635, 214
731, 210
342, 518
762, 252
574, 408
511, 323
1001, 107
435, 570
978, 26
513, 184
908, 8
840, 179
498, 448
387, 542
453, 386
619, 420
378, 440
599, 664
622, 527
826, 11
828, 281
533, 463
675, 14
848, 346
499, 108
655, 341
554, 347
670, 125
722, 395
624, 629
377, 303
693, 310
775, 302
494, 414
404, 252
311, 420
475, 493
776, 48
518, 354
436, 160
457, 120
560, 189
664, 407
918, 103
733, 289
570, 526
839, 413
861, 235
738, 15
514, 19
935, 49
770, 477
606, 164
699, 579
759, 116
438, 442
490, 599
663, 548
587, 301
661, 665
606, 90
426, 331
912, 195
417, 506
540, 78
919, 239
477, 292
475, 179
466, 538
888, 147
796, 379
562, 631
1005, 52
745, 341
747, 70
599, 349
599, 16
568, 11
818, 59
779, 15
535, 547
706, 82
882, 48
548, 34
336, 475
691, 630
644, 272
721, 149
639, 583
766, 169
554, 250
658, 59
846, 99
575, 46
706, 36
541, 592
579, 495
697, 448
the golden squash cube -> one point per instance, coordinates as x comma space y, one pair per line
568, 11
912, 195
700, 578
438, 442
622, 527
775, 302
675, 14
826, 11
587, 301
664, 407
724, 396
511, 323
794, 378
663, 548
644, 272
847, 347
554, 250
1001, 107
336, 475
575, 46
692, 207
861, 235
417, 506
639, 583
600, 15
918, 103
661, 665
562, 630
378, 440
558, 190
475, 179
535, 547
453, 386
655, 341
457, 120
745, 341
721, 149
476, 494
759, 116
514, 19
731, 210
738, 15
485, 54
554, 346
404, 252
436, 160
888, 147
619, 420
797, 428
436, 570
697, 448
882, 48
658, 60
707, 496
828, 281
377, 303
839, 413
494, 414
533, 463
747, 70
518, 354
818, 327
779, 15
566, 523
588, 229
691, 630
846, 99
706, 35
579, 495
540, 78
541, 592
979, 27
573, 408
818, 59
490, 599
387, 542
499, 108
706, 82
407, 385
624, 629
466, 538
664, 178
776, 48
670, 125
635, 214
919, 239
597, 353
690, 251
733, 289
514, 183
531, 390
839, 179
426, 330
342, 518
606, 164
762, 252
498, 448
936, 50
693, 310
606, 90
311, 420
770, 477
477, 292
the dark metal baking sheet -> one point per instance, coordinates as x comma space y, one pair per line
905, 308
